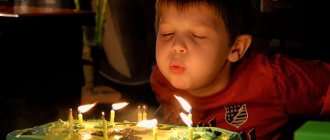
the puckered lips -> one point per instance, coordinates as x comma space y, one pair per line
177, 68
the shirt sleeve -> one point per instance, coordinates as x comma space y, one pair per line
304, 85
326, 107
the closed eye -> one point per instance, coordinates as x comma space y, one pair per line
198, 36
167, 34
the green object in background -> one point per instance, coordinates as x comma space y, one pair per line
313, 130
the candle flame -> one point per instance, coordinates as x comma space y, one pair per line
103, 118
85, 108
147, 123
117, 106
186, 106
186, 119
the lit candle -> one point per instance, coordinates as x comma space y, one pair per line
83, 109
190, 133
189, 123
139, 114
105, 127
70, 119
112, 117
144, 113
186, 106
150, 124
155, 132
116, 106
80, 118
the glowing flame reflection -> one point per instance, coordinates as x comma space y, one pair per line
147, 123
186, 106
85, 108
117, 106
186, 119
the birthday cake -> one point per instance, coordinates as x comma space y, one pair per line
94, 130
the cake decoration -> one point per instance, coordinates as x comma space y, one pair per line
101, 129
59, 130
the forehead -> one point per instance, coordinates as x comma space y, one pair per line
188, 9
183, 4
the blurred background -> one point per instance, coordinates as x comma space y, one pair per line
103, 50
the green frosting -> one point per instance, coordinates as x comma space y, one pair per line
93, 130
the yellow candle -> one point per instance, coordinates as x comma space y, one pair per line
144, 113
112, 117
70, 119
105, 127
139, 114
190, 133
155, 132
80, 118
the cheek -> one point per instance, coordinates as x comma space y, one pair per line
162, 58
203, 74
210, 56
160, 53
199, 67
202, 66
208, 62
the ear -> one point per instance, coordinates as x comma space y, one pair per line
241, 44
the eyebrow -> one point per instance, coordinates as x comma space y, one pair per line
198, 24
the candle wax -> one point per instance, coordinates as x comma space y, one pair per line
144, 113
105, 128
70, 119
190, 133
112, 117
154, 132
139, 115
80, 118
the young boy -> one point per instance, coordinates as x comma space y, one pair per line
199, 52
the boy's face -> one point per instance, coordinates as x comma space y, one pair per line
192, 48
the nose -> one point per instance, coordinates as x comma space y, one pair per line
179, 48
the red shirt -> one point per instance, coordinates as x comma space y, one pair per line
263, 93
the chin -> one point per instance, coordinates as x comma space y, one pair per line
180, 85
